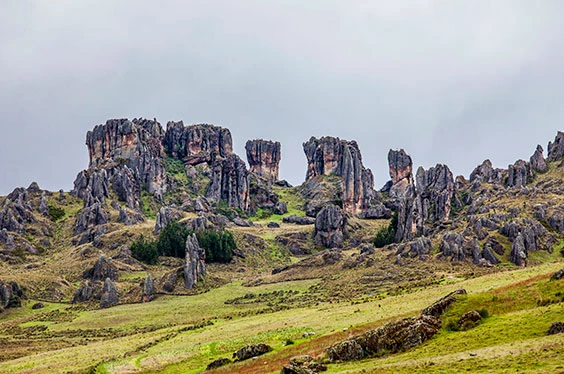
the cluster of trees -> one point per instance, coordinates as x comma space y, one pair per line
386, 235
218, 244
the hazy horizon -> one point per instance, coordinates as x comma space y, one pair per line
450, 82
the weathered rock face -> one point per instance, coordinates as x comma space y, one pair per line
195, 266
486, 173
436, 188
166, 215
229, 182
468, 319
264, 158
197, 144
148, 288
377, 212
330, 227
84, 293
110, 296
527, 235
17, 211
556, 148
101, 270
421, 247
537, 161
90, 216
440, 306
11, 295
518, 174
401, 172
136, 144
330, 155
428, 202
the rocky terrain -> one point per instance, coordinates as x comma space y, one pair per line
165, 217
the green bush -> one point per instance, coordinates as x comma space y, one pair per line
451, 325
172, 240
386, 235
218, 245
145, 251
55, 213
483, 313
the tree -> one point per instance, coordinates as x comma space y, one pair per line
386, 235
172, 240
144, 251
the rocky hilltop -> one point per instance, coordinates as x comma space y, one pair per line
141, 179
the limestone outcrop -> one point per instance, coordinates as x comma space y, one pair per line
401, 172
196, 144
263, 157
333, 156
194, 267
330, 227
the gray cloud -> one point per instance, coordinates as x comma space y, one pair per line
450, 81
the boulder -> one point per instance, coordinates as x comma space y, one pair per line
558, 275
377, 212
299, 220
488, 254
273, 225
263, 157
347, 350
110, 295
218, 363
330, 227
556, 328
251, 350
468, 319
166, 216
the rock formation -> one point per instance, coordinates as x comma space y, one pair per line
518, 174
485, 173
251, 350
330, 227
166, 216
197, 144
429, 202
263, 157
537, 161
11, 295
556, 148
136, 144
101, 270
148, 288
401, 172
110, 296
229, 182
195, 266
328, 156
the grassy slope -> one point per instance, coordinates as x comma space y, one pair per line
172, 350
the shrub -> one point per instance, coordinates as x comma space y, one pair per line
218, 245
451, 325
483, 313
55, 213
145, 251
172, 240
386, 235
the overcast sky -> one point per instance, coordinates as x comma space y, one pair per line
451, 82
